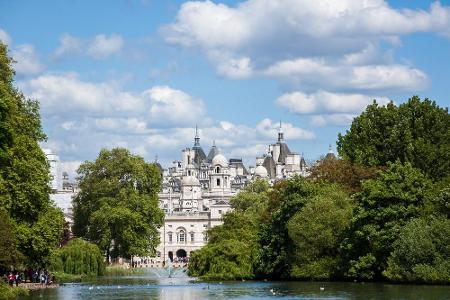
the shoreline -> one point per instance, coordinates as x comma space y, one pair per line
36, 286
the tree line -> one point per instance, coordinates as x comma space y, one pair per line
378, 212
116, 212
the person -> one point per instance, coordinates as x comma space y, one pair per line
17, 278
11, 278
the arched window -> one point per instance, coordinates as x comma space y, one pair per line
189, 173
181, 235
217, 170
218, 182
225, 182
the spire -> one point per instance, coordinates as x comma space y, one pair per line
330, 150
280, 134
197, 138
214, 143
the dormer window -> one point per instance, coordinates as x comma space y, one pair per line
217, 170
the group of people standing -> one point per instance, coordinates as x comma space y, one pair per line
41, 276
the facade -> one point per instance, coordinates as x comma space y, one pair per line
197, 190
62, 190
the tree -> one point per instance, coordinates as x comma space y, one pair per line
276, 247
232, 247
79, 257
317, 231
415, 132
117, 206
24, 171
422, 252
384, 206
342, 172
10, 256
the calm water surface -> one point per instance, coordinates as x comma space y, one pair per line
156, 285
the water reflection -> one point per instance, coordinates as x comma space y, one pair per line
151, 285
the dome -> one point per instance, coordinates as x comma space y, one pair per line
190, 180
220, 160
261, 171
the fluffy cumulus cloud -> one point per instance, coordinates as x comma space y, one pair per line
173, 106
67, 95
103, 46
325, 102
81, 117
330, 56
329, 45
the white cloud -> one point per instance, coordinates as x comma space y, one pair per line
67, 95
332, 45
173, 106
27, 61
269, 129
69, 45
313, 73
103, 46
5, 38
326, 102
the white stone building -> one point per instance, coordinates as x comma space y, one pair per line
197, 190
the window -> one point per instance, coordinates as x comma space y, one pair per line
217, 170
170, 237
170, 225
205, 226
189, 173
158, 254
220, 212
218, 182
205, 237
225, 182
192, 225
192, 236
181, 236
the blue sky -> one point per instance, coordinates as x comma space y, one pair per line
142, 74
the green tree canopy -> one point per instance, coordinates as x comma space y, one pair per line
232, 247
422, 252
317, 231
416, 131
24, 171
117, 206
384, 206
79, 257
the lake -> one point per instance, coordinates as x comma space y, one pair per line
154, 284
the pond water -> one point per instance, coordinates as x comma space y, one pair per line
153, 284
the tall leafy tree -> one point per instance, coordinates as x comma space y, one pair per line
317, 231
416, 131
276, 246
232, 247
24, 171
117, 206
384, 206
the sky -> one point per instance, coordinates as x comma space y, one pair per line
142, 74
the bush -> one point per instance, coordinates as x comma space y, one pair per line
79, 257
7, 292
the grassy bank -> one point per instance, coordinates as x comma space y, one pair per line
7, 292
121, 271
61, 277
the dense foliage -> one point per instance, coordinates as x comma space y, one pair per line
79, 257
24, 173
117, 206
416, 132
232, 247
380, 212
